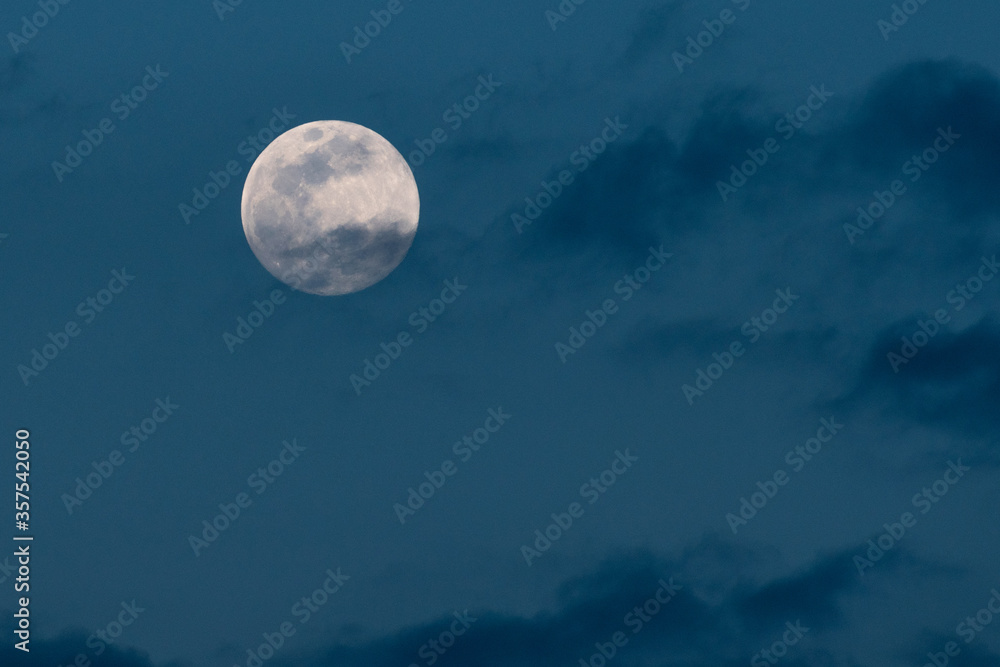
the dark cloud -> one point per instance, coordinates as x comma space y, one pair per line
953, 381
689, 630
812, 594
64, 649
15, 71
654, 25
22, 95
908, 104
697, 627
649, 186
649, 189
625, 199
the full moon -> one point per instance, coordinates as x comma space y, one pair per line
330, 207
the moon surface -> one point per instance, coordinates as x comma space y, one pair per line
330, 207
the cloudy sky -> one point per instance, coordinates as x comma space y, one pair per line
739, 369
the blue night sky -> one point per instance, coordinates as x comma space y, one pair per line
694, 359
